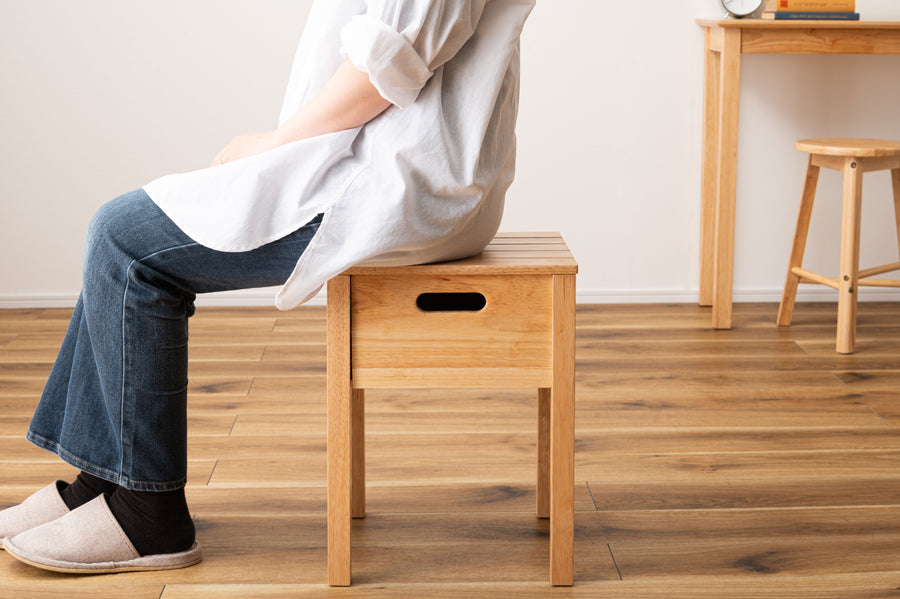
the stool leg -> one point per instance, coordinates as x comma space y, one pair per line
339, 431
562, 434
895, 178
849, 273
789, 296
358, 453
543, 454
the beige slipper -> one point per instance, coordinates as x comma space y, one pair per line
44, 506
88, 540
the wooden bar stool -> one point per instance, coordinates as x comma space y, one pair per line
854, 157
503, 318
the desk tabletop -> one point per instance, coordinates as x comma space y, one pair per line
775, 25
759, 36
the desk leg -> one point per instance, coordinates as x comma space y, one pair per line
709, 168
729, 97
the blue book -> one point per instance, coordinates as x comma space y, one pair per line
811, 16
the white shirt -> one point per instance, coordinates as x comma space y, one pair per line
422, 182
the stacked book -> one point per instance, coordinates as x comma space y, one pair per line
817, 10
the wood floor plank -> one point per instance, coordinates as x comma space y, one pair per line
759, 523
76, 589
14, 425
870, 380
25, 370
394, 422
737, 466
885, 405
522, 420
855, 586
606, 444
724, 376
231, 385
20, 449
19, 405
674, 361
199, 423
380, 499
7, 338
748, 557
742, 494
628, 349
754, 415
32, 476
255, 368
15, 387
881, 348
665, 440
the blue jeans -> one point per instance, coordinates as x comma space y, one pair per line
115, 402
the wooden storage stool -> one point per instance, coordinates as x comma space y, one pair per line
854, 157
503, 318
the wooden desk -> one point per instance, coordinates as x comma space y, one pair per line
726, 40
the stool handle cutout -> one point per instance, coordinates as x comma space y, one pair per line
451, 302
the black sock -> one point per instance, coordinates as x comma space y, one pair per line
85, 488
155, 522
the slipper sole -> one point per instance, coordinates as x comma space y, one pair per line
169, 561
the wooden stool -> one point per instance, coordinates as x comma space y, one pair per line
854, 157
503, 318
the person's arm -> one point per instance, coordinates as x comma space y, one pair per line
348, 100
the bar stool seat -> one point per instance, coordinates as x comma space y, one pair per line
503, 318
853, 157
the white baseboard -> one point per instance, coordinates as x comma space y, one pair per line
265, 297
665, 296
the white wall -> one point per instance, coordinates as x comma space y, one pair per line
98, 97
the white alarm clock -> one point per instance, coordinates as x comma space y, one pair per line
741, 8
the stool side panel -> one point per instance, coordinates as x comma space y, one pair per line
393, 341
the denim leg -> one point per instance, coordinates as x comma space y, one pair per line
115, 402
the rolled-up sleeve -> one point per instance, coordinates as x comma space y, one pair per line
400, 43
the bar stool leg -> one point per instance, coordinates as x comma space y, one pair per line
562, 434
789, 296
849, 273
895, 178
339, 431
543, 454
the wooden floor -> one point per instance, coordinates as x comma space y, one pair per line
752, 463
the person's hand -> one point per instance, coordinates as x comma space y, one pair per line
247, 145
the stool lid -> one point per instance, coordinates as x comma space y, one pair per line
508, 253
